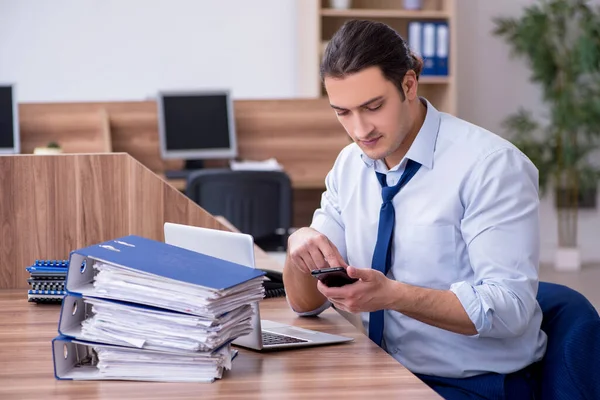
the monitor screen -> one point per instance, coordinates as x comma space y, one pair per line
196, 125
9, 123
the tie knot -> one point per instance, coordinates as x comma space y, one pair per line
388, 193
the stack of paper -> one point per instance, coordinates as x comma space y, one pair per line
156, 329
123, 363
115, 283
141, 309
270, 164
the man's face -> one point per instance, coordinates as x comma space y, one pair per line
371, 110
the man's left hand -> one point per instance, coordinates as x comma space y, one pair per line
372, 292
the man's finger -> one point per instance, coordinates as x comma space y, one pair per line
332, 292
317, 257
308, 260
299, 262
363, 274
332, 255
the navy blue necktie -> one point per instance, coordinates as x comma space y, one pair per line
382, 256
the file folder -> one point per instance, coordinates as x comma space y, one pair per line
135, 325
78, 360
160, 262
442, 48
429, 49
415, 35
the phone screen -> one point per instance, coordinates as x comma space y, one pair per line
333, 277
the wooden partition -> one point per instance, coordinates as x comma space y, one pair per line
302, 134
77, 132
50, 205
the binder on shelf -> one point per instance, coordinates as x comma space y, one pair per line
145, 271
415, 33
442, 38
84, 360
429, 49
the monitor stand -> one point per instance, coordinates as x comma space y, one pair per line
189, 167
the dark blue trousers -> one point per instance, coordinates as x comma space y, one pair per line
520, 385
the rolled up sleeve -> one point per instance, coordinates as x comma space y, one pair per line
501, 230
312, 313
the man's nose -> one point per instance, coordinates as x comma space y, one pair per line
362, 127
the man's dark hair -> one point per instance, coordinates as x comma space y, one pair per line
359, 44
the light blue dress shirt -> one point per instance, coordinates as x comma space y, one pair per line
468, 222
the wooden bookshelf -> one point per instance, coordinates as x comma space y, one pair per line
384, 13
440, 90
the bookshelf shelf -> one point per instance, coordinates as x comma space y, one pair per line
435, 80
379, 13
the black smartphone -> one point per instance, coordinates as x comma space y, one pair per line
333, 277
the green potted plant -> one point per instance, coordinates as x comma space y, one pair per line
51, 148
560, 40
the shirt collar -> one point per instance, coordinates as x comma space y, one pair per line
423, 146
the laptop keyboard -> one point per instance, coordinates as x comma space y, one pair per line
270, 339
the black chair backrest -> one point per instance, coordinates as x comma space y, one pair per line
255, 202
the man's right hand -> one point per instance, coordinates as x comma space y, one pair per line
309, 249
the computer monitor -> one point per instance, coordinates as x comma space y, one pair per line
9, 120
196, 125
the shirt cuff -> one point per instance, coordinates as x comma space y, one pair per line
475, 304
312, 313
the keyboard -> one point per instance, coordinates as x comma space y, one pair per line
270, 339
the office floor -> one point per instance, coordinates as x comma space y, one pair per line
585, 281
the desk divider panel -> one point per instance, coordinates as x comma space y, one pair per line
50, 205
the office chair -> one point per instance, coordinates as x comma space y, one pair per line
258, 203
569, 369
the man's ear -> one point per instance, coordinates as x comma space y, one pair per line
410, 85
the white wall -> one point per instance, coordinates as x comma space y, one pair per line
491, 86
95, 50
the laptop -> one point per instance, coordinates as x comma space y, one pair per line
239, 248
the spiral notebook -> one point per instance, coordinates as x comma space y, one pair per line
47, 281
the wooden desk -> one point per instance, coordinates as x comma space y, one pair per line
54, 204
356, 370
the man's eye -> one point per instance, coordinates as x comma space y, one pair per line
374, 108
341, 113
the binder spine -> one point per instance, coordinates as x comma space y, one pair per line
72, 313
442, 48
415, 33
428, 43
73, 360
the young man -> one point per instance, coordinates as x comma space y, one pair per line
436, 217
